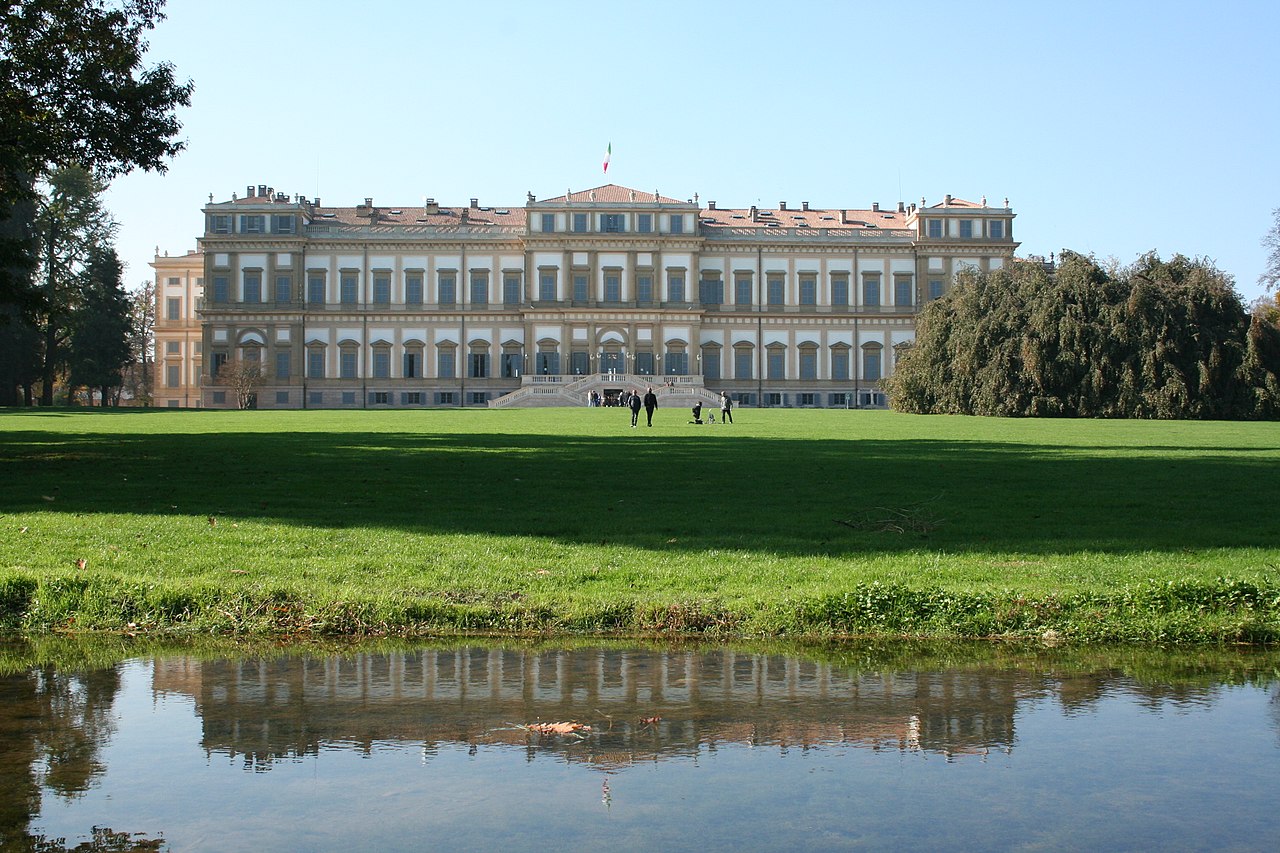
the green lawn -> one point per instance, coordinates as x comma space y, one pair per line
788, 522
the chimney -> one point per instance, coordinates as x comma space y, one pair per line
711, 205
946, 201
317, 202
475, 202
844, 217
875, 206
804, 205
754, 213
902, 207
368, 202
248, 191
782, 205
429, 206
262, 189
464, 216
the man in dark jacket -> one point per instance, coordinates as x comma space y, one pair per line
650, 403
634, 403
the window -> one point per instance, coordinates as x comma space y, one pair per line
282, 224
220, 224
478, 365
173, 347
315, 289
315, 363
412, 364
840, 291
221, 288
580, 223
284, 288
348, 398
171, 374
447, 289
411, 398
283, 365
871, 362
806, 399
580, 289
382, 288
742, 360
173, 308
835, 400
809, 363
995, 229
219, 362
644, 288
253, 287
776, 363
675, 287
935, 228
902, 291
677, 223
382, 362
548, 362
966, 229
612, 286
510, 365
840, 362
479, 288
547, 286
548, 222
251, 224
776, 290
644, 223
347, 363
282, 398
174, 281
219, 397
711, 289
711, 364
742, 289
379, 398
413, 288
773, 399
315, 398
871, 289
644, 363
613, 223
445, 366
935, 288
349, 292
444, 398
477, 398
808, 289
677, 363
510, 288
172, 404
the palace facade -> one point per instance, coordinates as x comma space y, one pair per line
377, 306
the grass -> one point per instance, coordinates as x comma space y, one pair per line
787, 523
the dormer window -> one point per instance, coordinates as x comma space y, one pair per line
220, 224
966, 229
282, 224
934, 227
995, 229
644, 223
251, 224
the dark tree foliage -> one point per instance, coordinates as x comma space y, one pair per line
100, 327
1160, 339
74, 89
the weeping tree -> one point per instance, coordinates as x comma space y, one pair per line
1159, 339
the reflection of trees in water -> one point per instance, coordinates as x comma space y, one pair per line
52, 731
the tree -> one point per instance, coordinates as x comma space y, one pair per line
70, 225
74, 89
244, 377
100, 327
1271, 242
1156, 340
142, 324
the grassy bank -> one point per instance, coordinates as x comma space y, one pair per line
787, 523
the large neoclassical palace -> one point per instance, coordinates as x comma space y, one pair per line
546, 302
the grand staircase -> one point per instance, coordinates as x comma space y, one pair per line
674, 392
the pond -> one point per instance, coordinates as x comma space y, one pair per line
629, 747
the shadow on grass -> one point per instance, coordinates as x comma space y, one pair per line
684, 493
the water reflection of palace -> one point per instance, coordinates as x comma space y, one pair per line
287, 707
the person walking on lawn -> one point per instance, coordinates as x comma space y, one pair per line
634, 403
650, 403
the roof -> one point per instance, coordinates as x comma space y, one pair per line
418, 215
612, 194
811, 218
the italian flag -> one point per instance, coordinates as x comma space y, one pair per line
608, 152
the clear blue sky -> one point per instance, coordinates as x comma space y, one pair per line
1113, 128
